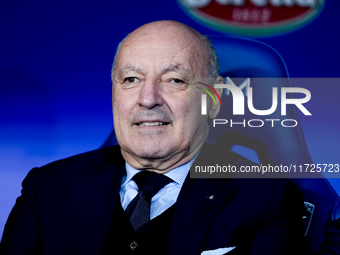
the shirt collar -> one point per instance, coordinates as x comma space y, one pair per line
177, 174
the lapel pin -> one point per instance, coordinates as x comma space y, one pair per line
211, 197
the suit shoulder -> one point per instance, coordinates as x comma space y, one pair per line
109, 155
77, 166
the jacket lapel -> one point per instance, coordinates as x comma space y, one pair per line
196, 206
197, 203
95, 195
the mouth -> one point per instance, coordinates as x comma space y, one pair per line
152, 124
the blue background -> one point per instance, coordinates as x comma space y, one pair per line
55, 88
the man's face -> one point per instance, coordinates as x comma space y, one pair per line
151, 98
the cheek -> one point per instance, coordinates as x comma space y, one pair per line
121, 110
183, 116
188, 106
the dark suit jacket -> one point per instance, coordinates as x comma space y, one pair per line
66, 208
331, 244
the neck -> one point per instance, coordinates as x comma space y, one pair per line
164, 164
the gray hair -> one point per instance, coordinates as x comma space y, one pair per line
115, 58
213, 67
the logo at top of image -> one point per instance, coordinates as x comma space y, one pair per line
253, 17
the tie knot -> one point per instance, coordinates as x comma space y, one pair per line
151, 182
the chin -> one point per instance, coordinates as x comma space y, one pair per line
150, 151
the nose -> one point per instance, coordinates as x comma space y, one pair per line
150, 95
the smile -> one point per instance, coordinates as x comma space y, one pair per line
144, 124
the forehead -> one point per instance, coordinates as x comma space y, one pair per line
161, 50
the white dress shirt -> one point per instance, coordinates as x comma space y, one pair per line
165, 197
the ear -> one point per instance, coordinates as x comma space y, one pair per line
214, 110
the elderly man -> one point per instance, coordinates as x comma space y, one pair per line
137, 198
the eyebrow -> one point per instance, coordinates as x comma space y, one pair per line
175, 68
127, 69
171, 68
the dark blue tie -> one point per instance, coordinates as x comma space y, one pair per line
149, 183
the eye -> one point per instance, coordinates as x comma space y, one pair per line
177, 81
130, 80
